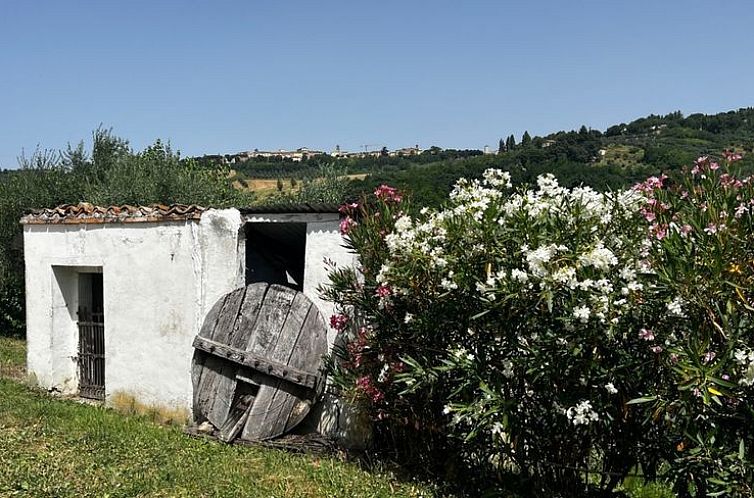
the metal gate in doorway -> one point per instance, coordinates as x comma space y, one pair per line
91, 325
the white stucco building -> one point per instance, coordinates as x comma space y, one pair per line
153, 273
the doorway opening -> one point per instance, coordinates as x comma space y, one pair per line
91, 325
275, 253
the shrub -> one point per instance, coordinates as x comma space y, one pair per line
703, 253
113, 175
329, 185
551, 333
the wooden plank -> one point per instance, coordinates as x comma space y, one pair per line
197, 364
218, 378
247, 318
223, 388
276, 397
226, 320
272, 315
307, 354
239, 412
257, 362
210, 321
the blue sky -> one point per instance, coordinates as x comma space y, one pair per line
220, 76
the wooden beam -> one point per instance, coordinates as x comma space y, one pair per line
251, 360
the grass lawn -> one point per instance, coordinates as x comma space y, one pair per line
55, 447
12, 358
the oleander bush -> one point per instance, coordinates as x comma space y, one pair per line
561, 337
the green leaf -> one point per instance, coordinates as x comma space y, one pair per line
646, 399
479, 315
741, 450
721, 382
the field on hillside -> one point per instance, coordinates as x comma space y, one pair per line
55, 447
265, 187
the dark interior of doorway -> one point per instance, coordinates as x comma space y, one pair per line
275, 253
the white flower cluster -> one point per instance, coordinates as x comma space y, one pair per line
538, 258
745, 359
675, 307
590, 267
600, 258
582, 413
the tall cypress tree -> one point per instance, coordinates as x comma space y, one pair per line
526, 139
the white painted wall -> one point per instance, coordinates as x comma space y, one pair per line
159, 280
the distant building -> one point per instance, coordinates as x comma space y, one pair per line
294, 155
338, 153
548, 143
406, 151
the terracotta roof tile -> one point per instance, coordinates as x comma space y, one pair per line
85, 213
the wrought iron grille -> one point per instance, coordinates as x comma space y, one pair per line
91, 356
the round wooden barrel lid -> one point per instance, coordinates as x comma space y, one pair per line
257, 362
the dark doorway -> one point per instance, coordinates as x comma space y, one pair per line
275, 253
91, 324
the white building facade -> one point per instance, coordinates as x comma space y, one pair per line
154, 273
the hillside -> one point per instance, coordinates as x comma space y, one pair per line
619, 156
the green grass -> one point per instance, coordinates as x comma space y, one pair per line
55, 447
12, 358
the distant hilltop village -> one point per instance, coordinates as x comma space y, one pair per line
305, 153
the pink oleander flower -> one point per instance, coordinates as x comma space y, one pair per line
660, 231
656, 349
348, 207
686, 229
651, 184
713, 229
383, 290
346, 225
339, 322
646, 334
365, 385
388, 194
714, 166
741, 210
731, 156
